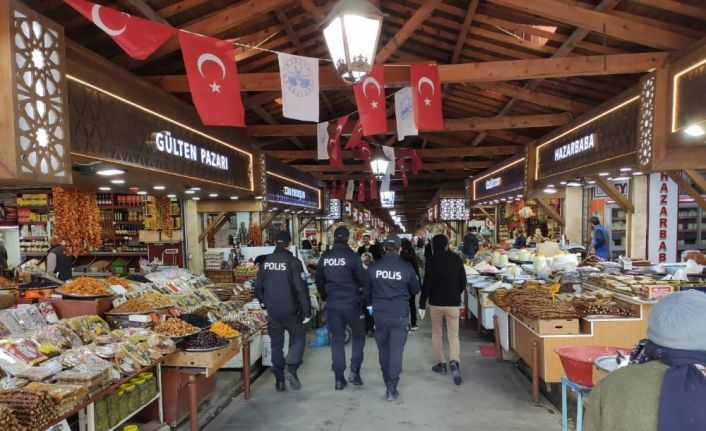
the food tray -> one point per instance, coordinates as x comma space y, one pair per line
180, 337
605, 316
206, 350
74, 296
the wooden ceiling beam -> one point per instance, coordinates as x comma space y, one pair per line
363, 167
509, 70
407, 30
143, 9
314, 11
270, 119
536, 97
181, 6
601, 23
435, 153
421, 176
463, 34
450, 125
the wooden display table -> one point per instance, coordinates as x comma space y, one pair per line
538, 350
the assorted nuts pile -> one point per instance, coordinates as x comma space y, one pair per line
146, 303
175, 327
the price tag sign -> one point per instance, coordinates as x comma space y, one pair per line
118, 289
142, 318
119, 301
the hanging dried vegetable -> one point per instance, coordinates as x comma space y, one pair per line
77, 220
255, 235
164, 209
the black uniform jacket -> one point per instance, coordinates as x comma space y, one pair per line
281, 285
340, 277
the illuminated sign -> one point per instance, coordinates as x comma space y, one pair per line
166, 143
575, 147
493, 182
295, 193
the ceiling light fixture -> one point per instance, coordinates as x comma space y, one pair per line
189, 192
625, 169
110, 172
604, 174
620, 178
695, 131
171, 196
159, 187
213, 195
637, 173
196, 198
104, 189
117, 181
259, 197
234, 198
142, 193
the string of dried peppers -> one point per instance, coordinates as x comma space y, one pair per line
77, 219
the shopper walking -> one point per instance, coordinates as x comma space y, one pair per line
365, 248
600, 242
665, 388
58, 262
3, 253
341, 282
408, 255
282, 290
393, 282
444, 281
470, 243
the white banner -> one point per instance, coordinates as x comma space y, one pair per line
663, 219
349, 191
385, 184
389, 152
322, 141
300, 87
404, 114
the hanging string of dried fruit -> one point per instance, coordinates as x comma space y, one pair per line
255, 235
77, 220
165, 209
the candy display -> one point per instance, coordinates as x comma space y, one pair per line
33, 410
222, 330
204, 341
85, 286
175, 327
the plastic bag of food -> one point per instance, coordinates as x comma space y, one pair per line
160, 343
41, 372
48, 312
10, 323
10, 364
25, 350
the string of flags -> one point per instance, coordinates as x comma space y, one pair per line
212, 75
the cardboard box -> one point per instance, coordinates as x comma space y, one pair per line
553, 326
655, 292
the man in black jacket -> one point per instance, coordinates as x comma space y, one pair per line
282, 290
365, 248
341, 282
393, 282
444, 281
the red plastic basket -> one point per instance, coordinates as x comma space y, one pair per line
578, 361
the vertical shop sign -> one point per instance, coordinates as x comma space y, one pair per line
663, 220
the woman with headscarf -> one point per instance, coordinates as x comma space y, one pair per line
664, 388
408, 255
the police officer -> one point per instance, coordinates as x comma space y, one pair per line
282, 290
393, 283
341, 280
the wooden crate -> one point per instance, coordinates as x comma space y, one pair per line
553, 326
211, 361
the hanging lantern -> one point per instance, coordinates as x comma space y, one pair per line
379, 166
352, 30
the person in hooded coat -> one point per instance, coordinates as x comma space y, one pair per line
444, 281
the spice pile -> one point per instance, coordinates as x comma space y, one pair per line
203, 341
112, 280
85, 286
175, 327
222, 330
33, 410
148, 302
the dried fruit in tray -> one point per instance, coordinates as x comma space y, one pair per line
196, 320
175, 327
203, 341
85, 286
118, 281
223, 330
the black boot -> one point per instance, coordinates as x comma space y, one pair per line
440, 368
291, 376
354, 378
392, 393
385, 378
280, 386
455, 372
340, 382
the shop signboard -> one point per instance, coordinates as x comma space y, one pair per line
502, 180
663, 218
287, 191
112, 129
605, 138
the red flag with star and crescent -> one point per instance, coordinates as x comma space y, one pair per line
426, 96
355, 140
370, 99
402, 169
361, 189
139, 37
335, 157
365, 152
373, 188
213, 79
417, 163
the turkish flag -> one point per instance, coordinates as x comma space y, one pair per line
139, 37
361, 190
354, 141
334, 190
370, 99
342, 189
417, 163
213, 79
334, 144
402, 168
365, 153
373, 189
426, 96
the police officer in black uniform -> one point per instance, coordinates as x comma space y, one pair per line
393, 283
282, 290
341, 282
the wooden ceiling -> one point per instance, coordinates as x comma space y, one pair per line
514, 69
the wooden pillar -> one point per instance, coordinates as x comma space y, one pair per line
573, 214
637, 221
193, 226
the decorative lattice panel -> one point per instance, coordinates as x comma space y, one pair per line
645, 132
263, 178
40, 98
453, 209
